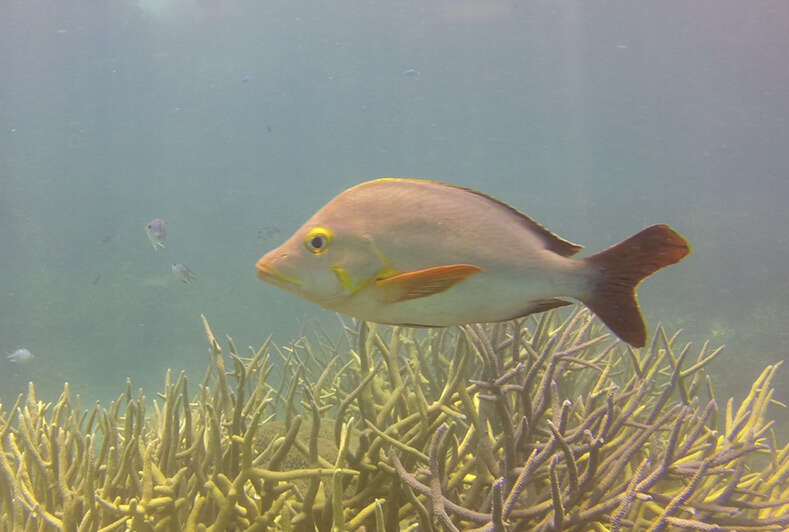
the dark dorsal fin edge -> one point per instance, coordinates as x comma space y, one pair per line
553, 242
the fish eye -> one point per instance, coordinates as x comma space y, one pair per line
317, 239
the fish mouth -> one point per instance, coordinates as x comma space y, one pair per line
269, 274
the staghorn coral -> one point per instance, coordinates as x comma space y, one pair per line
538, 424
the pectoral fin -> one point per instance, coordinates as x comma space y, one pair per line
423, 283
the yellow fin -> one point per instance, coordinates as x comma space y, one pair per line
423, 283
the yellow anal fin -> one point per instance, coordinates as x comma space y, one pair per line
423, 283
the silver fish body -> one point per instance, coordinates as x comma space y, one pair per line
418, 252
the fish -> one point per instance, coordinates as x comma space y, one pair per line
268, 232
182, 272
156, 230
415, 252
20, 356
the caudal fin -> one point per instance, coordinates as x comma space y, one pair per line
621, 268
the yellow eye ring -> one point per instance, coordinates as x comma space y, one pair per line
317, 239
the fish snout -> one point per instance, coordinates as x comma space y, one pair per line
269, 268
264, 270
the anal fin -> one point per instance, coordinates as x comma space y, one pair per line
541, 305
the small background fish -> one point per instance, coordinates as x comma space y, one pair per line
182, 272
156, 230
20, 356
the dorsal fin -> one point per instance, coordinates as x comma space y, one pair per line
553, 242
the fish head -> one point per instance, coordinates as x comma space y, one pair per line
323, 262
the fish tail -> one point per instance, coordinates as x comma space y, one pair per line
621, 268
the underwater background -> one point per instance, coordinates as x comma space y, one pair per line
234, 121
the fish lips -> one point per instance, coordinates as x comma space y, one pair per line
267, 272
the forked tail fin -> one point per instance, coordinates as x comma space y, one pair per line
621, 268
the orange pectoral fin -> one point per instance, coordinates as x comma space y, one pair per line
423, 283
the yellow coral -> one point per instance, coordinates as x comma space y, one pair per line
543, 423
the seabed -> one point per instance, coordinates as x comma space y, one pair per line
545, 423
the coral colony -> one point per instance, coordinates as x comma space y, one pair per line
545, 423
